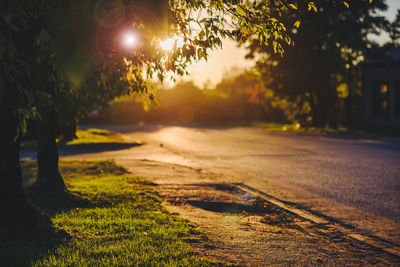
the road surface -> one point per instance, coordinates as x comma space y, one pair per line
354, 180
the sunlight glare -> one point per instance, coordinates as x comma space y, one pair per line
168, 44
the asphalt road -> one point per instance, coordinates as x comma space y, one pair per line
360, 173
354, 181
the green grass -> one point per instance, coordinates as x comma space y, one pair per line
94, 136
114, 219
280, 127
298, 128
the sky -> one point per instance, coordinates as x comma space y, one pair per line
222, 60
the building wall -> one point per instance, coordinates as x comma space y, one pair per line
374, 75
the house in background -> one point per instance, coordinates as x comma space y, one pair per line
381, 90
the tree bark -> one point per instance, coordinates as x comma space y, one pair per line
68, 129
48, 176
19, 218
349, 99
323, 104
315, 109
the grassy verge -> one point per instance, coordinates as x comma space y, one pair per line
362, 131
112, 218
94, 136
298, 128
281, 127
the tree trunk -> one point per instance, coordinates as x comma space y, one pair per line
49, 177
315, 109
68, 129
19, 218
331, 98
349, 100
323, 104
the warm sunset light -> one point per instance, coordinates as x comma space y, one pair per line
129, 40
168, 44
200, 132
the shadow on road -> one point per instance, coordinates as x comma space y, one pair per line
94, 148
65, 150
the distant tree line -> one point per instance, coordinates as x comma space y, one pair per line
239, 96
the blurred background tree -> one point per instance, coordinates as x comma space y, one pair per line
394, 30
320, 76
239, 96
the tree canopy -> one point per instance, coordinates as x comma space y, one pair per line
394, 30
330, 47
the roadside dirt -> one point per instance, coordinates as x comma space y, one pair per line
245, 230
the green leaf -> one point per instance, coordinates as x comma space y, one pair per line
240, 11
275, 44
201, 34
312, 6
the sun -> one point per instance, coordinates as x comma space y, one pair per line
129, 40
